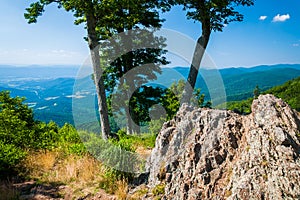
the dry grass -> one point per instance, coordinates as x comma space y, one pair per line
81, 174
50, 166
143, 151
38, 163
122, 189
75, 168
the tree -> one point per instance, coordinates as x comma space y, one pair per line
130, 19
130, 71
213, 16
256, 92
91, 13
171, 98
142, 100
103, 19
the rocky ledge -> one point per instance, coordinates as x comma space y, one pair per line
218, 154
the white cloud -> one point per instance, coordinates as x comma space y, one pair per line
263, 17
281, 18
296, 45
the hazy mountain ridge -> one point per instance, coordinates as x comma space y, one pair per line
37, 72
49, 90
240, 82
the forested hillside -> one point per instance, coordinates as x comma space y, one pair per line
289, 92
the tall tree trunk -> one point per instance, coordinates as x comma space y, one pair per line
129, 120
136, 128
194, 68
130, 84
129, 80
98, 71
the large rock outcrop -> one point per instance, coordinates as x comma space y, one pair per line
218, 154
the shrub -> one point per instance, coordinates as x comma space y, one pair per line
16, 121
16, 130
10, 156
68, 134
76, 148
132, 142
114, 181
19, 132
46, 136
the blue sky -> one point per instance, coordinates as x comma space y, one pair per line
269, 34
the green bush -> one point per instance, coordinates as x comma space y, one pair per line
16, 130
46, 136
240, 107
146, 140
132, 142
76, 148
10, 156
68, 134
19, 132
16, 121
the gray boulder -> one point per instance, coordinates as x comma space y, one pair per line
218, 154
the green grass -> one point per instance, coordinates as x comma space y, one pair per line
145, 140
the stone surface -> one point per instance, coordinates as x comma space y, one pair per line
218, 154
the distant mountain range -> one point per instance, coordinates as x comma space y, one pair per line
49, 90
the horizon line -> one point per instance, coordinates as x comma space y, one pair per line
79, 66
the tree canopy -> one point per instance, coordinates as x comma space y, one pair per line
214, 14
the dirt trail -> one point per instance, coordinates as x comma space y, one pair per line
31, 190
